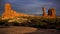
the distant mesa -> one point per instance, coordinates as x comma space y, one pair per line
10, 13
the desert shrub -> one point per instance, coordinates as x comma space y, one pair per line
3, 22
16, 23
43, 22
50, 22
35, 22
58, 23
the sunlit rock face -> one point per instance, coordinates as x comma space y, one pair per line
51, 13
10, 13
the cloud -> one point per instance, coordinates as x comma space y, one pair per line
32, 6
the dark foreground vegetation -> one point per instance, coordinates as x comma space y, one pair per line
51, 23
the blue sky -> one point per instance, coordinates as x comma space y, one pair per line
31, 6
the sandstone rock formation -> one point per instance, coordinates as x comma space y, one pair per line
44, 12
51, 13
10, 13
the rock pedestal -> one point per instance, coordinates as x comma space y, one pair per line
44, 12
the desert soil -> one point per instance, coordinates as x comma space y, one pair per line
27, 30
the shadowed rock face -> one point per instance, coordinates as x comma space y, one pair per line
51, 13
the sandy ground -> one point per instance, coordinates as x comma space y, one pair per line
27, 30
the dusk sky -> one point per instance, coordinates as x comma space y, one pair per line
31, 6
